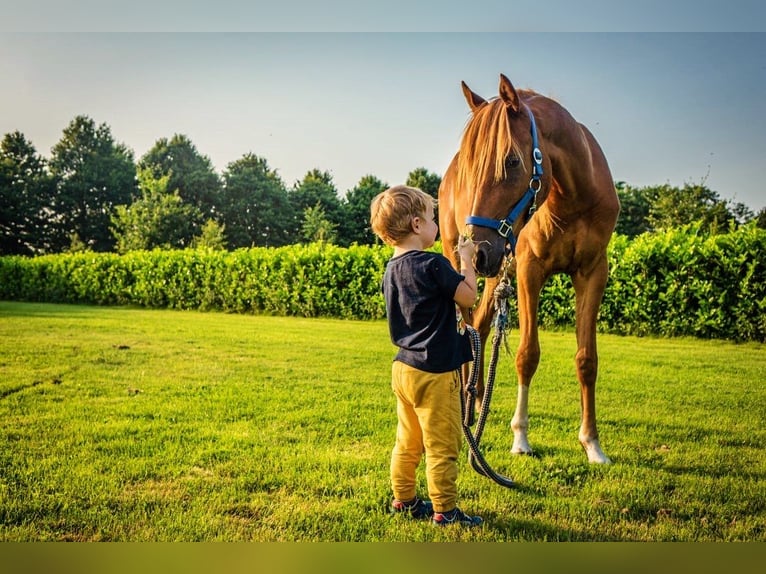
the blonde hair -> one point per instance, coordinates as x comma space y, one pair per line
392, 211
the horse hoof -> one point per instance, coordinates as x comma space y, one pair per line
603, 459
523, 453
524, 449
595, 454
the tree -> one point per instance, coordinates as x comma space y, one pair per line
191, 175
316, 227
662, 207
634, 209
25, 192
742, 213
673, 207
316, 187
213, 237
93, 174
355, 224
425, 181
255, 206
760, 218
156, 219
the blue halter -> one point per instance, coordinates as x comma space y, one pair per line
505, 226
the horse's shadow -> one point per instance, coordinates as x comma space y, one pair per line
662, 439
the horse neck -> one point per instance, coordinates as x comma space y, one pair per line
578, 171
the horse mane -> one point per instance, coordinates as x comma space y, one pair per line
485, 144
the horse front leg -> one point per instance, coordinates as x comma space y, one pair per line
529, 279
480, 318
589, 290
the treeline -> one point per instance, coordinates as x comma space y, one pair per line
663, 207
677, 282
92, 195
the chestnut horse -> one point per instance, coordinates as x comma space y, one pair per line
533, 189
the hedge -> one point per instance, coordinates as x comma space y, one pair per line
312, 280
681, 282
678, 282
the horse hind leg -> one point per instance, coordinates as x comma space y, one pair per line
587, 365
589, 290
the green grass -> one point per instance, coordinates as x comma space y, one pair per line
135, 425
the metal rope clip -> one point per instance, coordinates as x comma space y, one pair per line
533, 206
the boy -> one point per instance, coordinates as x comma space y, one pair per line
421, 289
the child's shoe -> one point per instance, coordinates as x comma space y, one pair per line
415, 508
456, 516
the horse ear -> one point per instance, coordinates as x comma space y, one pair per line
508, 93
474, 100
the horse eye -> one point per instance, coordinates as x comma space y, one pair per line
512, 161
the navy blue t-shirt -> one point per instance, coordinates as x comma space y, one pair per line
419, 289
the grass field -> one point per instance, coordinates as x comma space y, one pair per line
136, 425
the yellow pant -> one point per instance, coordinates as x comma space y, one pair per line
428, 408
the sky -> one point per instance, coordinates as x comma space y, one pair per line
677, 99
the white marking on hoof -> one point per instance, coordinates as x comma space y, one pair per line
520, 423
594, 452
520, 445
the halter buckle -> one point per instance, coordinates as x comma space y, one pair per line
505, 229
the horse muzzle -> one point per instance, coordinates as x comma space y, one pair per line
489, 256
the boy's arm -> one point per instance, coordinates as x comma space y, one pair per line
465, 294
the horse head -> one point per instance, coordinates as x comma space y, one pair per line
495, 169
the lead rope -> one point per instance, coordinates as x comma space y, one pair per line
502, 292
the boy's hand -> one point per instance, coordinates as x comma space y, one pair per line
465, 295
465, 248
